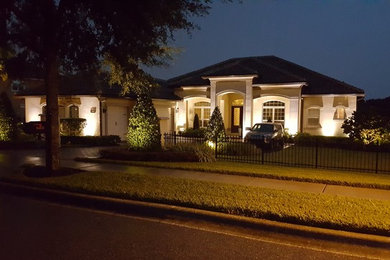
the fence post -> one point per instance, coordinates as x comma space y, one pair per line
316, 153
377, 157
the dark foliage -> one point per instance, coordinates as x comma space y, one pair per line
196, 122
91, 140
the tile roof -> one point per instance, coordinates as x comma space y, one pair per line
269, 69
81, 85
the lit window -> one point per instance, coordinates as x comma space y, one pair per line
202, 109
74, 111
313, 117
339, 113
273, 111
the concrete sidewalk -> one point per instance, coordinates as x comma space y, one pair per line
16, 158
348, 191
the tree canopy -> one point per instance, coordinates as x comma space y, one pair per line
67, 36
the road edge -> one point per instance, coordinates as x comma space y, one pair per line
164, 211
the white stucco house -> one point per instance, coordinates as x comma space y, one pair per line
247, 91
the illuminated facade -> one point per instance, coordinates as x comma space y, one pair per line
265, 89
247, 91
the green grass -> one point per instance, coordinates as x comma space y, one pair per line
355, 179
321, 210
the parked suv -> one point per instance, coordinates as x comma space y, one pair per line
268, 135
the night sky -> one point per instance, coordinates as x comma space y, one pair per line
345, 39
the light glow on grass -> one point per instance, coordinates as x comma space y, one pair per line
322, 210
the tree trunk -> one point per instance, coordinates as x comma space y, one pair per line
52, 121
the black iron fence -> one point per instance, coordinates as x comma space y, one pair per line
313, 153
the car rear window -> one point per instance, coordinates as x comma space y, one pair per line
263, 128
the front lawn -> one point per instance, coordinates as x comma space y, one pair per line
356, 179
320, 210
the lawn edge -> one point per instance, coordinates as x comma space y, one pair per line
227, 172
164, 211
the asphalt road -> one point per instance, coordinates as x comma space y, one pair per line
31, 229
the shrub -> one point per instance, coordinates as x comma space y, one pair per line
203, 152
196, 122
144, 126
91, 140
237, 149
72, 126
192, 132
216, 128
159, 156
7, 123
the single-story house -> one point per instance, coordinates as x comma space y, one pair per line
247, 91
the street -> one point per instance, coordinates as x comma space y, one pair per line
31, 229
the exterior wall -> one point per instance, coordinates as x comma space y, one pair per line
33, 109
185, 115
327, 105
89, 109
116, 116
291, 108
165, 112
224, 102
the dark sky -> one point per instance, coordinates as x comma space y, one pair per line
345, 39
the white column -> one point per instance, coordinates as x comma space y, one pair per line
213, 98
247, 120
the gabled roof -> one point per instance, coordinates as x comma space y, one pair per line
269, 70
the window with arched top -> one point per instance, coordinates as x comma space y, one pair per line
273, 111
74, 111
202, 109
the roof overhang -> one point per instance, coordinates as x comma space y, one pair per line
333, 95
230, 77
281, 85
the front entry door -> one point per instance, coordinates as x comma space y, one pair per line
236, 120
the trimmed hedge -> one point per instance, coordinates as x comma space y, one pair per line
91, 140
337, 142
159, 156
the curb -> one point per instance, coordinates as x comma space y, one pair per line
163, 211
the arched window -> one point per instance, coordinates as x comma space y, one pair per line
74, 111
273, 111
202, 109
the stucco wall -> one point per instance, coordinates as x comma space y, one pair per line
327, 105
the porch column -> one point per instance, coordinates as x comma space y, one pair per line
247, 117
213, 86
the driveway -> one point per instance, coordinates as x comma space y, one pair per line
11, 160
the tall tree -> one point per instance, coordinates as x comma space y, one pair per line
67, 36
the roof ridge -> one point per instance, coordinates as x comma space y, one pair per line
183, 76
259, 60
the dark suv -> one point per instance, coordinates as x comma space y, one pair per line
268, 135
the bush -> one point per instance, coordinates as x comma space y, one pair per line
160, 156
72, 126
144, 126
7, 122
215, 128
236, 149
196, 122
203, 152
91, 140
192, 132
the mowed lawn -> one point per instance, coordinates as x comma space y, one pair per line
321, 210
337, 177
310, 156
